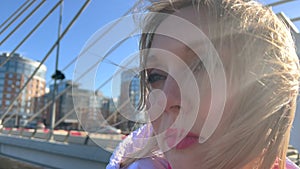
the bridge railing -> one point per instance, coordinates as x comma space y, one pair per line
106, 141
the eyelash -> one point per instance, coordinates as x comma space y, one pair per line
154, 77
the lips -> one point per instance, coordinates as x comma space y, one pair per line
173, 134
187, 142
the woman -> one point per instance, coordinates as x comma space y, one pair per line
220, 83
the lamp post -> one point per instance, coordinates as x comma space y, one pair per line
58, 75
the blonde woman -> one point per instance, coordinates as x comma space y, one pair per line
220, 83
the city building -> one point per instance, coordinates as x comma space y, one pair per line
13, 76
74, 103
129, 114
109, 110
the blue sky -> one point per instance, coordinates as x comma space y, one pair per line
97, 14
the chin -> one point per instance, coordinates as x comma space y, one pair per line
185, 158
180, 164
180, 160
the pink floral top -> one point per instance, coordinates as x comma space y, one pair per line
289, 165
132, 142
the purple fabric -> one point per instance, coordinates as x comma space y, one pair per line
130, 144
291, 165
135, 142
149, 163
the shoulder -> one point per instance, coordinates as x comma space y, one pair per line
291, 165
129, 145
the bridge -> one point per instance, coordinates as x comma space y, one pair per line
36, 149
67, 149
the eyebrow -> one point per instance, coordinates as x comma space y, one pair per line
151, 57
195, 44
191, 54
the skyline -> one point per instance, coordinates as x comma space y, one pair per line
35, 48
96, 15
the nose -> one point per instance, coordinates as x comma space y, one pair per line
172, 93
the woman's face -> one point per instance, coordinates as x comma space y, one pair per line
173, 98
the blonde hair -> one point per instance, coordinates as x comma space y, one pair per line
263, 69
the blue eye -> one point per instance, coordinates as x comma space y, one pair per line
154, 77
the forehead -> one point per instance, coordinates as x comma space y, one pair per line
184, 24
182, 33
187, 25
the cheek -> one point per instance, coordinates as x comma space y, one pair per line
226, 116
162, 123
205, 102
214, 107
155, 125
205, 98
155, 108
154, 115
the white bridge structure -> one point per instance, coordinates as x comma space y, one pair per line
60, 149
67, 150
